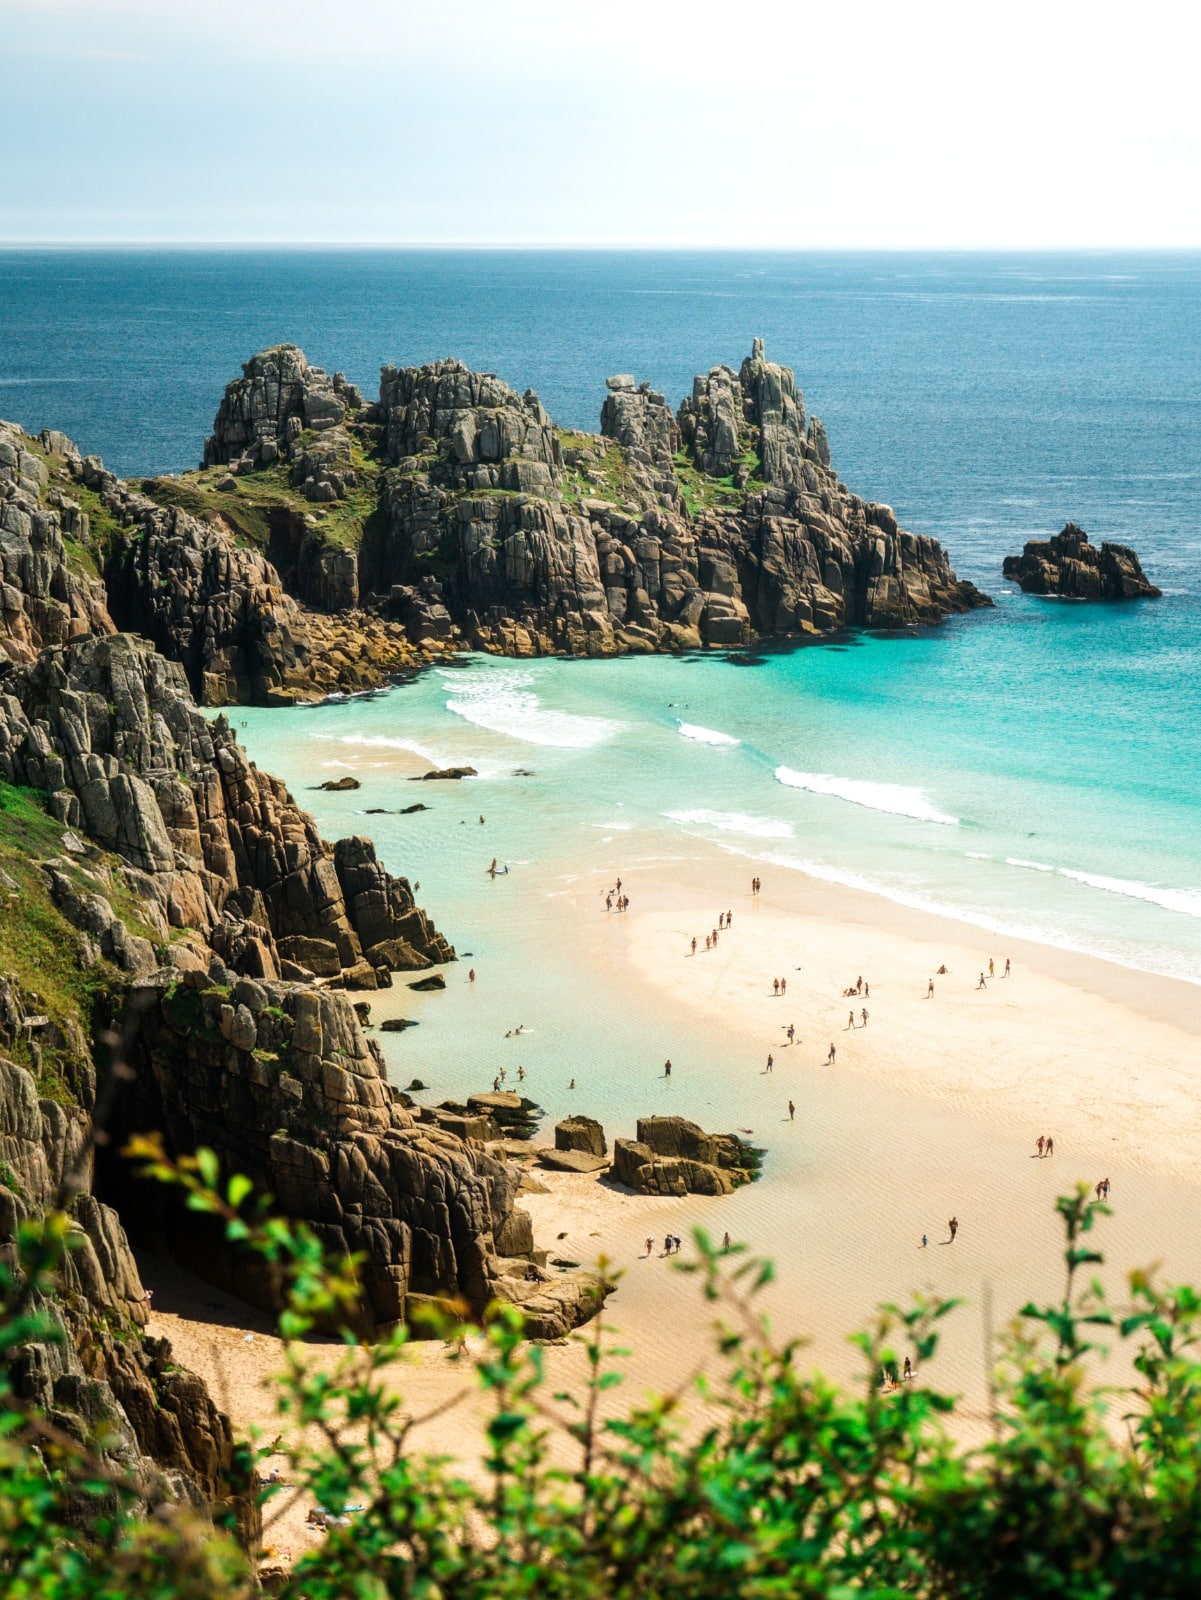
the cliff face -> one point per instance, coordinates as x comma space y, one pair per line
716, 527
1070, 567
156, 883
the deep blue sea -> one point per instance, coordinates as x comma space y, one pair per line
1036, 768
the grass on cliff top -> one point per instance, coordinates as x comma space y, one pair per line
702, 493
247, 508
606, 476
40, 950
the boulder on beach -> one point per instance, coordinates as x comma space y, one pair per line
674, 1156
434, 981
1071, 568
581, 1133
572, 1160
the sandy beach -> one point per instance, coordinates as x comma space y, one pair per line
931, 1110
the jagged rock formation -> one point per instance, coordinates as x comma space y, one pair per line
674, 1156
725, 525
283, 1081
1068, 566
226, 858
581, 1133
266, 414
45, 598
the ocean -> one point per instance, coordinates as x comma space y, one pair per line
1033, 770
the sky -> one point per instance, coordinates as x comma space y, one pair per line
839, 124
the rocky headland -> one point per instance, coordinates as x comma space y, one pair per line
328, 544
1071, 568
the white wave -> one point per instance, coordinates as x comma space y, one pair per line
1034, 866
1186, 901
735, 822
378, 741
895, 798
691, 730
504, 703
977, 855
613, 827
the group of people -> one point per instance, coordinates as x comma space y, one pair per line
724, 922
1046, 1147
672, 1245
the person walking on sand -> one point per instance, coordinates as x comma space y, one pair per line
770, 1064
471, 975
859, 984
783, 986
775, 986
925, 1242
791, 1032
908, 1373
729, 920
1041, 1142
725, 1243
1105, 1188
608, 902
694, 944
667, 1069
650, 1245
850, 1019
791, 1112
991, 968
830, 1057
863, 1016
982, 984
954, 1227
1006, 973
930, 989
1050, 1147
571, 1085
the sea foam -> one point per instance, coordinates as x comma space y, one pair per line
1186, 901
895, 798
734, 822
692, 730
504, 702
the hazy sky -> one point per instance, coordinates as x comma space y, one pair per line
844, 123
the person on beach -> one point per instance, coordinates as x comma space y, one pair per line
650, 1245
667, 1069
725, 1243
667, 1244
496, 1086
830, 1057
942, 971
521, 1074
770, 1064
1041, 1142
1006, 973
1050, 1147
982, 984
867, 991
925, 1242
908, 1372
791, 1032
991, 968
859, 984
694, 944
608, 902
729, 920
791, 1112
471, 975
708, 942
930, 989
850, 1019
863, 1016
715, 936
571, 1085
493, 869
954, 1227
775, 986
783, 985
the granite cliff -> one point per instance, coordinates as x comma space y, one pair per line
159, 889
327, 543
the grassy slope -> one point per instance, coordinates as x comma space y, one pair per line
40, 950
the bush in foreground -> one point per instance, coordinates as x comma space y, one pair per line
799, 1489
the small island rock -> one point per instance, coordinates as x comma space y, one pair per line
1072, 568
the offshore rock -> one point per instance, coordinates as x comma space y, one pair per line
1072, 568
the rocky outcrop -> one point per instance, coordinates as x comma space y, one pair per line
228, 860
282, 408
45, 597
674, 1156
1072, 568
722, 526
581, 1133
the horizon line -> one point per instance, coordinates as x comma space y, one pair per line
599, 245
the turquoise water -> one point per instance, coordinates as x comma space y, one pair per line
1034, 769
